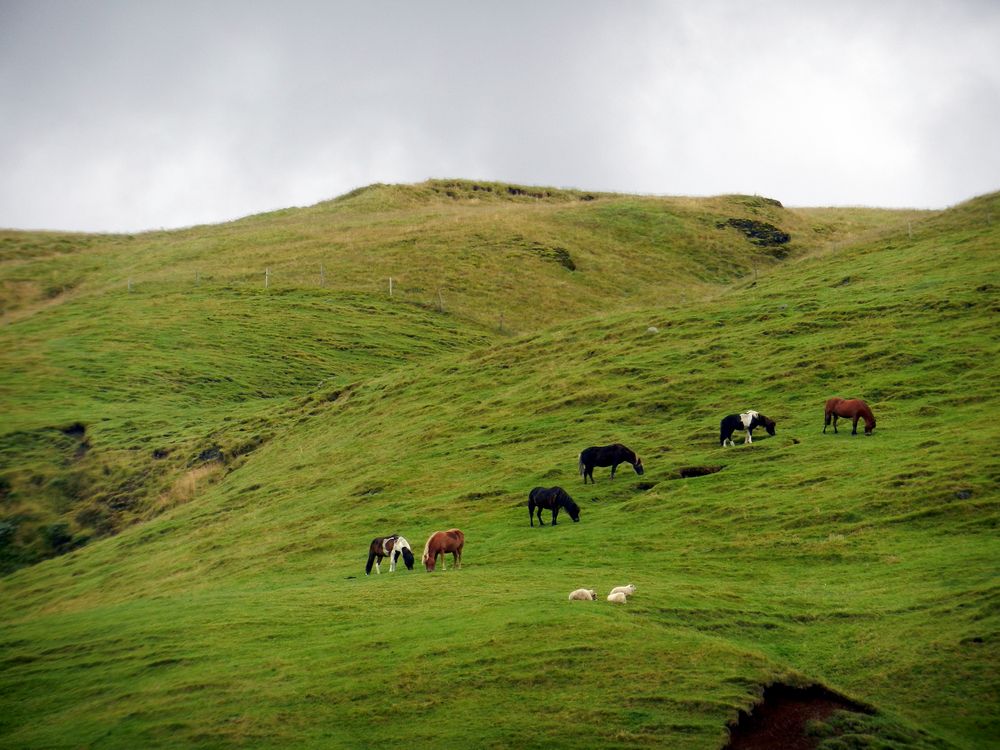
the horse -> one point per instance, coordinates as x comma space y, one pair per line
607, 455
552, 499
852, 408
440, 543
748, 420
392, 547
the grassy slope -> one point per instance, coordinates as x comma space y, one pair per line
197, 357
867, 564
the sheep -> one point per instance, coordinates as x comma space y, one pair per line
583, 595
627, 590
617, 596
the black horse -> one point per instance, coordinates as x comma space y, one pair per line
551, 498
608, 455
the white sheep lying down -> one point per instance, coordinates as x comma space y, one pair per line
627, 590
584, 595
617, 597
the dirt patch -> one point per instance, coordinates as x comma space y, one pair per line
783, 717
687, 472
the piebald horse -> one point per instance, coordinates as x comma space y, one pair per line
748, 420
441, 543
392, 547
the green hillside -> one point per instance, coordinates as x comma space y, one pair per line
263, 437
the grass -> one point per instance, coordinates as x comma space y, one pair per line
241, 617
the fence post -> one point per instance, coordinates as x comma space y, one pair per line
440, 301
130, 284
267, 277
322, 275
390, 286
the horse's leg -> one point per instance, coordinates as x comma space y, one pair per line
371, 559
392, 561
749, 439
835, 418
555, 512
378, 565
614, 468
456, 558
443, 556
531, 513
854, 431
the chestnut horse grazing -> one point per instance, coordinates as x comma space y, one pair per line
440, 543
851, 408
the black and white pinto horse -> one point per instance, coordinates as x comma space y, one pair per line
748, 420
392, 547
607, 455
551, 498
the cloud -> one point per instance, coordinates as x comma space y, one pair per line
125, 116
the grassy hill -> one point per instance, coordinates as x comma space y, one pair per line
263, 437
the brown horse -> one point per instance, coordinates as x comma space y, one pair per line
854, 409
440, 543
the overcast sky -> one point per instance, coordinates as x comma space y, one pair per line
143, 114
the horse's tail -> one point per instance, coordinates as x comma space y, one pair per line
371, 561
582, 466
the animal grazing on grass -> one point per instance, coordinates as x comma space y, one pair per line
551, 498
583, 595
748, 420
618, 597
853, 409
392, 547
441, 543
627, 590
607, 455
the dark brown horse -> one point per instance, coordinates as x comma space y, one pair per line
607, 455
851, 408
441, 543
551, 498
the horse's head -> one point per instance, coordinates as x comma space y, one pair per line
638, 466
408, 558
869, 427
769, 425
574, 511
429, 563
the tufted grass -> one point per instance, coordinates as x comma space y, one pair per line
243, 618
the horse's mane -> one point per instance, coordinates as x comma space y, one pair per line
427, 548
567, 502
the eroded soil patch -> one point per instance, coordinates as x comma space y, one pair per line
783, 717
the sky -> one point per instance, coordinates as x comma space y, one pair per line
126, 116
